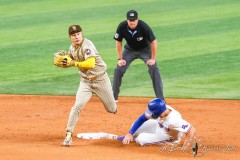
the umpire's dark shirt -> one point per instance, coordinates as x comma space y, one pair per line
137, 39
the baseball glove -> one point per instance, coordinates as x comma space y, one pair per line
62, 61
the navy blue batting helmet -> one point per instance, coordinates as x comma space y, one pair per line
156, 107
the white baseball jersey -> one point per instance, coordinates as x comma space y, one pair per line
174, 121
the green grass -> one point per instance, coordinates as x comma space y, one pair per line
198, 45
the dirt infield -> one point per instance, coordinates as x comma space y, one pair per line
33, 128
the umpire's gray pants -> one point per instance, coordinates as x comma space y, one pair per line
129, 55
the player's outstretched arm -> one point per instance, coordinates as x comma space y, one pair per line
129, 136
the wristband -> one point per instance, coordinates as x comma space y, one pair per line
76, 64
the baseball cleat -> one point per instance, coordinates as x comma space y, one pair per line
68, 140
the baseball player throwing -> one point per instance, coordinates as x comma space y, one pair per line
94, 78
160, 124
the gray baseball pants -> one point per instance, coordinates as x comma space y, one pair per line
130, 55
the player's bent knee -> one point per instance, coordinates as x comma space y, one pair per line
111, 108
139, 142
142, 139
114, 111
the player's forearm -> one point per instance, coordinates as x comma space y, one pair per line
138, 123
154, 49
119, 49
87, 64
129, 136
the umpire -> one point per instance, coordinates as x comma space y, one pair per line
140, 43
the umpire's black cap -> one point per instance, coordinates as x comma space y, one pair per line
132, 14
74, 29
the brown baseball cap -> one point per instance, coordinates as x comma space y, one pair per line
74, 29
132, 14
